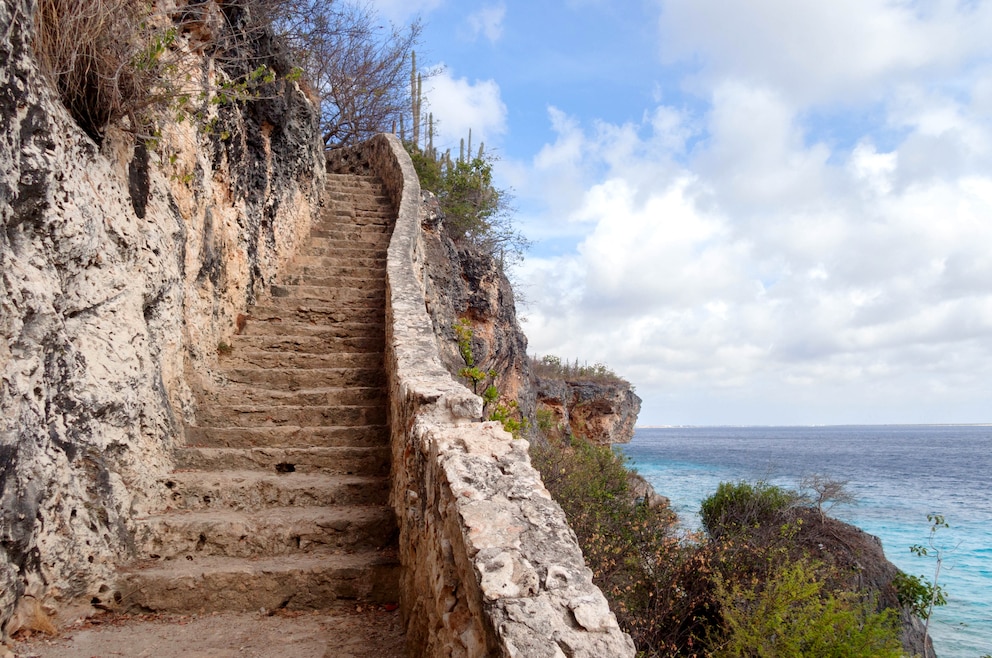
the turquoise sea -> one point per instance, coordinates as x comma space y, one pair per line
898, 473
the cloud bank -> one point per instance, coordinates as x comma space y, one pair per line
816, 232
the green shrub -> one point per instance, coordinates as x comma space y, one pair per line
476, 212
918, 593
739, 506
788, 613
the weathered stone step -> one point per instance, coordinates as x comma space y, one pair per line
275, 416
340, 460
293, 582
320, 261
320, 246
373, 235
319, 340
287, 436
370, 323
199, 490
232, 395
282, 310
334, 334
357, 272
342, 191
267, 532
294, 359
347, 250
310, 294
355, 181
294, 379
366, 281
359, 215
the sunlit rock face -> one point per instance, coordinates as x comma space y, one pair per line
122, 268
603, 413
463, 283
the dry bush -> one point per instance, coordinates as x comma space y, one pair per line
101, 57
359, 68
550, 366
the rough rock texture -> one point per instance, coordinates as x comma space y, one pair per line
490, 566
603, 413
122, 270
463, 283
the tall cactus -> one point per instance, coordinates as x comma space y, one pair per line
415, 91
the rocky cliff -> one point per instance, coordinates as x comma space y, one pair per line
601, 412
465, 284
123, 267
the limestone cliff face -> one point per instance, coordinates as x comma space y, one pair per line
603, 413
123, 268
463, 283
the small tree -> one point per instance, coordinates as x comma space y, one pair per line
357, 67
825, 493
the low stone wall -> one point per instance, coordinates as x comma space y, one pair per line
490, 566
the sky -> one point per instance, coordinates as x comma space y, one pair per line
758, 212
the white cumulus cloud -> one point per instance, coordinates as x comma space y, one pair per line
487, 22
459, 105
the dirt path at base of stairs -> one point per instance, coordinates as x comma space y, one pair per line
344, 631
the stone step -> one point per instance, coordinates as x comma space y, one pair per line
364, 280
282, 310
233, 395
339, 460
358, 215
359, 181
234, 358
320, 261
379, 244
299, 337
336, 222
277, 416
374, 235
310, 294
276, 325
294, 379
359, 272
287, 436
240, 490
267, 532
336, 335
350, 191
292, 582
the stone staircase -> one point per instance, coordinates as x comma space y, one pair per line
280, 498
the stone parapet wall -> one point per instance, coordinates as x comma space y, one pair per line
490, 566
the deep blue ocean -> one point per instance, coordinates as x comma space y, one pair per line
898, 473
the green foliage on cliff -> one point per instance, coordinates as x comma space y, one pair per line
476, 212
790, 613
737, 507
